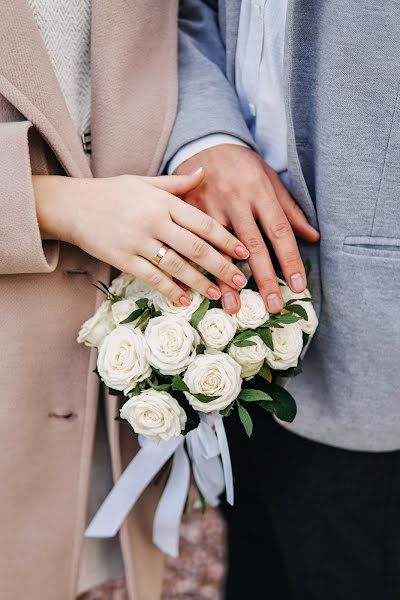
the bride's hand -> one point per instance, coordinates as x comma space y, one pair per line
124, 221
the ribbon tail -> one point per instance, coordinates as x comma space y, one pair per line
225, 457
170, 508
136, 477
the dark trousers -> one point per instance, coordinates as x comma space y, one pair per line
311, 522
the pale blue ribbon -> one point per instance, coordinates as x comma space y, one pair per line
207, 446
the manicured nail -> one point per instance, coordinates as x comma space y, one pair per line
239, 280
229, 301
214, 293
242, 252
274, 303
297, 282
185, 301
198, 171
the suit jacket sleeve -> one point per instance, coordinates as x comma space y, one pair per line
207, 101
21, 247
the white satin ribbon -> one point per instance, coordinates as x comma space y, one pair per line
207, 446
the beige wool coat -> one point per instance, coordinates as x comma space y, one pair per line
48, 392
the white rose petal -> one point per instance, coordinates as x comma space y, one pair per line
167, 307
213, 374
217, 328
156, 415
250, 358
288, 344
252, 312
120, 283
122, 361
311, 324
171, 343
139, 289
95, 329
122, 309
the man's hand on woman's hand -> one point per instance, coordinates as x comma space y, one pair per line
124, 221
239, 190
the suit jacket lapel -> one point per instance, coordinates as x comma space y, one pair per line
27, 81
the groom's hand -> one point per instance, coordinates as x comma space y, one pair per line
243, 193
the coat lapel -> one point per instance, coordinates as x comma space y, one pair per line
134, 84
28, 82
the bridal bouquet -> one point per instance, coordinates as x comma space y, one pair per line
184, 369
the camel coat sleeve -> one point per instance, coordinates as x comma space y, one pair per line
21, 247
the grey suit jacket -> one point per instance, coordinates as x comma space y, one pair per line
342, 73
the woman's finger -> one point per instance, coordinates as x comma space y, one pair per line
178, 185
196, 249
145, 271
207, 228
180, 269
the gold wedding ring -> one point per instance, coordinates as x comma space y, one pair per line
160, 254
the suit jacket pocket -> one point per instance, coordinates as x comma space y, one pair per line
380, 247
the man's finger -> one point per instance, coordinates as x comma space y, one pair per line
229, 296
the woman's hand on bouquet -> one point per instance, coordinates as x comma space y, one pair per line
125, 220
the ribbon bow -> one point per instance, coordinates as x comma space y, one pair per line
207, 446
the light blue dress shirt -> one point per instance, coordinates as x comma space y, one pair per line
259, 85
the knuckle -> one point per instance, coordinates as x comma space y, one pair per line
291, 259
281, 229
225, 270
154, 279
175, 264
267, 283
254, 244
199, 249
206, 225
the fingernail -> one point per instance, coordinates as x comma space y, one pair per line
239, 280
242, 252
185, 301
297, 282
214, 293
274, 303
197, 171
229, 301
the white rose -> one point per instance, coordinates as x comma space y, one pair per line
120, 283
250, 358
122, 361
288, 344
122, 309
311, 324
252, 311
156, 415
213, 374
217, 328
95, 329
171, 343
167, 307
140, 289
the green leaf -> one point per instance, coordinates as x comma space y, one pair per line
200, 312
159, 388
307, 266
272, 322
249, 395
135, 392
245, 335
156, 313
294, 300
142, 302
283, 405
266, 336
179, 385
299, 310
265, 372
243, 343
200, 349
287, 319
245, 419
115, 392
225, 412
133, 316
204, 397
292, 372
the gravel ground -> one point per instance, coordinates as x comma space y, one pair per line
199, 571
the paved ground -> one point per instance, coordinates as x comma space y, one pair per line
198, 573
